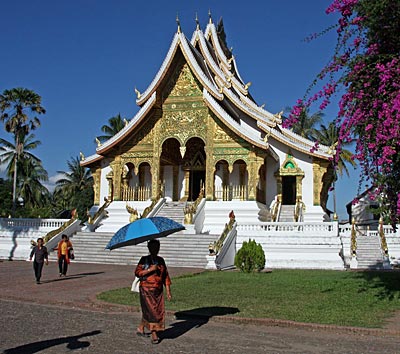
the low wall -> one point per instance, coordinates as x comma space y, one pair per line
315, 245
16, 235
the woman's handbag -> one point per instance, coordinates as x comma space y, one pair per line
135, 285
71, 254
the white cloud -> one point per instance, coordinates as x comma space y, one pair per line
51, 183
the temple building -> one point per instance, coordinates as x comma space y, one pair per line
199, 130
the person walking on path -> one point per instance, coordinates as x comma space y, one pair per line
153, 274
41, 257
64, 248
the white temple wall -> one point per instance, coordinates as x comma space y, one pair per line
271, 186
304, 162
181, 183
218, 181
104, 183
168, 182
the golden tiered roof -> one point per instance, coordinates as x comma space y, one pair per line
224, 92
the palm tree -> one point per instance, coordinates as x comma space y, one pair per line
115, 124
8, 151
329, 136
31, 190
76, 185
305, 126
16, 105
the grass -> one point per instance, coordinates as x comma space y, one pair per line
362, 299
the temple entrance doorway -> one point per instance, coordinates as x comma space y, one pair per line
194, 165
196, 181
289, 190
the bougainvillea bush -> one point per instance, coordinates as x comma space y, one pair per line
365, 70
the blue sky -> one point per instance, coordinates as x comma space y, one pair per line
85, 58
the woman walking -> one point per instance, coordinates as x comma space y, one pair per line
153, 274
64, 248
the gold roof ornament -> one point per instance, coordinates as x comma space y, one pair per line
209, 17
197, 22
267, 135
246, 87
262, 106
231, 59
278, 115
126, 122
82, 156
332, 149
178, 23
138, 94
97, 141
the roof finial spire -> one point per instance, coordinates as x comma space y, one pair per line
209, 16
197, 22
178, 23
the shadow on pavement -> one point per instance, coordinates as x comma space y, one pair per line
73, 276
72, 344
194, 318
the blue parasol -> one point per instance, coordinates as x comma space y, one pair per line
143, 230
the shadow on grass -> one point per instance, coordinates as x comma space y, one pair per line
73, 343
387, 283
189, 319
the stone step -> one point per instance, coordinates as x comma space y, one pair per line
178, 250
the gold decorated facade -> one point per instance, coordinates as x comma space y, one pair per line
199, 128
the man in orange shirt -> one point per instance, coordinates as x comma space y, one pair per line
63, 255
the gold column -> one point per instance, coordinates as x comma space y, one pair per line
254, 164
117, 169
155, 177
187, 186
299, 184
96, 173
110, 187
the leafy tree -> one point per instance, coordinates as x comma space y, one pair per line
115, 124
16, 107
75, 189
8, 151
366, 65
31, 189
5, 197
329, 136
305, 126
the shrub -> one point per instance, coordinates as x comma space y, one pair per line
250, 257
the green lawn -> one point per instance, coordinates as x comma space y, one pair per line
362, 299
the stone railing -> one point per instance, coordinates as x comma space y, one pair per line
382, 236
275, 209
299, 210
148, 209
216, 246
93, 221
231, 192
290, 228
138, 193
190, 209
295, 244
32, 224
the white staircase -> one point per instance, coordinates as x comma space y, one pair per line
173, 210
369, 253
178, 250
287, 213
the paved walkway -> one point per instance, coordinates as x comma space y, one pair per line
61, 315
